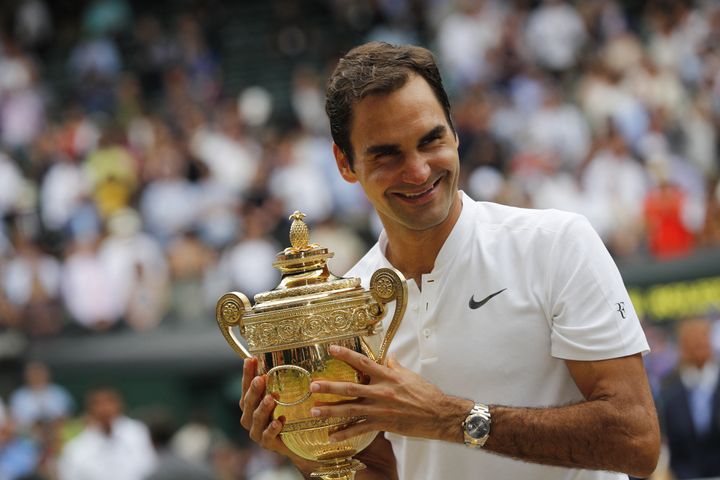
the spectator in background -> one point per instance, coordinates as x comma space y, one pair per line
556, 35
87, 289
667, 234
189, 259
22, 111
248, 264
31, 283
112, 446
112, 172
12, 184
38, 399
171, 466
690, 404
137, 269
64, 187
617, 182
18, 455
33, 24
466, 36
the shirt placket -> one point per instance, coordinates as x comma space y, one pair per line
427, 334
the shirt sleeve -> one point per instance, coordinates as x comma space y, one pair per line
592, 317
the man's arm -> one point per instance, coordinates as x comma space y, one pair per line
615, 429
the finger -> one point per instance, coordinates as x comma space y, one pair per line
352, 431
249, 370
261, 418
350, 409
357, 360
252, 399
348, 389
270, 435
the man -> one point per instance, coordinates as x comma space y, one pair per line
690, 404
520, 338
170, 465
112, 446
39, 399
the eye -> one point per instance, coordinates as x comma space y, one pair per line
385, 157
431, 141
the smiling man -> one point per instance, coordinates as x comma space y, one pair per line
519, 340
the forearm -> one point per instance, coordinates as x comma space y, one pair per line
598, 435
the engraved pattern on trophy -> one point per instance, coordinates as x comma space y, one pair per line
303, 328
289, 331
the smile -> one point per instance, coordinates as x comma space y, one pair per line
419, 195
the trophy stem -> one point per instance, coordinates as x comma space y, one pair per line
344, 469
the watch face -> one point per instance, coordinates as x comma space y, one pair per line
477, 426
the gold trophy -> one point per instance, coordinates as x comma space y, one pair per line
290, 329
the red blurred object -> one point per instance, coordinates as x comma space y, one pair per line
668, 237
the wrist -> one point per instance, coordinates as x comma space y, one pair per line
455, 410
477, 425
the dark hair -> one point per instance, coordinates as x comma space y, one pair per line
376, 68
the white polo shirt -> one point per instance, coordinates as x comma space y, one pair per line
553, 293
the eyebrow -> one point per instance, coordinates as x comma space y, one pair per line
392, 148
436, 132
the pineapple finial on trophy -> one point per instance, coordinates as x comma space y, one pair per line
299, 234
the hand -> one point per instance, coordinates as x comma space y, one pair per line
395, 400
257, 408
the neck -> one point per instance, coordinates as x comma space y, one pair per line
414, 252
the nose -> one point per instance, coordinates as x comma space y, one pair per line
416, 170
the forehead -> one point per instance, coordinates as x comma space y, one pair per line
410, 110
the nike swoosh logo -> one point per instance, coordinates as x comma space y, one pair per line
474, 304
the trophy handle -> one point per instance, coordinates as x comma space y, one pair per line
386, 285
228, 313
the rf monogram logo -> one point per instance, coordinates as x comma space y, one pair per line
621, 308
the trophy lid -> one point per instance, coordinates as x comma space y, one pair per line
305, 274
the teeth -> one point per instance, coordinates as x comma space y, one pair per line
415, 195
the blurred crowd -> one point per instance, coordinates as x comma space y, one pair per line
44, 435
137, 185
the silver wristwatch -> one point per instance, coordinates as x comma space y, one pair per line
476, 427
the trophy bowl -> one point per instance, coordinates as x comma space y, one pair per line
289, 331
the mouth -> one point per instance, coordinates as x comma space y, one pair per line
418, 196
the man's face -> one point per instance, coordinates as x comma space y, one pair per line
104, 407
405, 156
694, 341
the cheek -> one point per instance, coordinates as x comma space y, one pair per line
379, 179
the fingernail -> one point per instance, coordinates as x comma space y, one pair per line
333, 349
256, 381
332, 439
268, 400
275, 424
314, 387
315, 412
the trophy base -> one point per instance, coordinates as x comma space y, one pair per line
344, 469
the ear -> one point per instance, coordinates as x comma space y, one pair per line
343, 164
